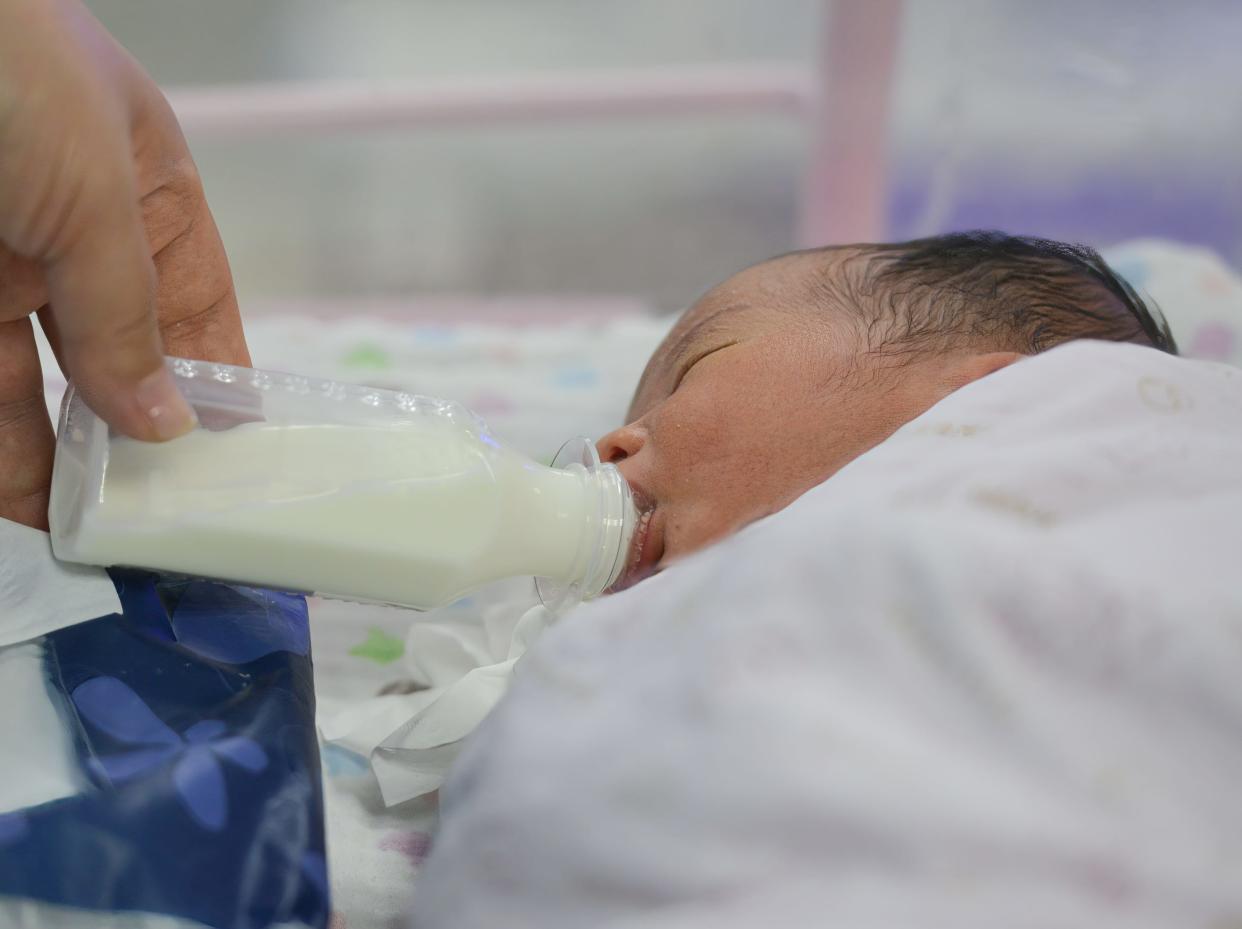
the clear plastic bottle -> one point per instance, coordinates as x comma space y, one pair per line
342, 491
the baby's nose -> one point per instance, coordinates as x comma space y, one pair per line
621, 444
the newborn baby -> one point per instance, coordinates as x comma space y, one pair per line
789, 370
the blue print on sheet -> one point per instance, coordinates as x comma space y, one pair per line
575, 377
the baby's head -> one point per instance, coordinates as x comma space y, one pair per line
789, 370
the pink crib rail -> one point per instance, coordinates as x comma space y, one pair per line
846, 192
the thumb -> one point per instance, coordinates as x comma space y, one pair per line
101, 287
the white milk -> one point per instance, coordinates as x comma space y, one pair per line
415, 511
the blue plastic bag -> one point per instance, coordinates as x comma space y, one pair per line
192, 713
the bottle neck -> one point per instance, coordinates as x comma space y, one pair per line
616, 519
609, 518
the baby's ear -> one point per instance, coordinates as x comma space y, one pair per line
966, 369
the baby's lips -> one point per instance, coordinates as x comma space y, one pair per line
638, 561
642, 500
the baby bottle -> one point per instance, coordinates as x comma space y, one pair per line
342, 491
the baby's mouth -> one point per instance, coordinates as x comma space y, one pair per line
646, 544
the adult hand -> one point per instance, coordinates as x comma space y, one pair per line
105, 234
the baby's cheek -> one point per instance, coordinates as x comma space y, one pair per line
694, 525
717, 437
687, 431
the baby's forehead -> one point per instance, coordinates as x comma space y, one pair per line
776, 286
759, 299
775, 293
776, 282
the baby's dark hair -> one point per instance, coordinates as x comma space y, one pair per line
1010, 293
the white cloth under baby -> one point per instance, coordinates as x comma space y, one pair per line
988, 675
464, 659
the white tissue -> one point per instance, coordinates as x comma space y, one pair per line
39, 594
465, 660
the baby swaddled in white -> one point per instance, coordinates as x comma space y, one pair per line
985, 676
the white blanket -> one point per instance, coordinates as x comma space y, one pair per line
988, 675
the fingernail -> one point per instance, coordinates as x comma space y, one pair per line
166, 410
